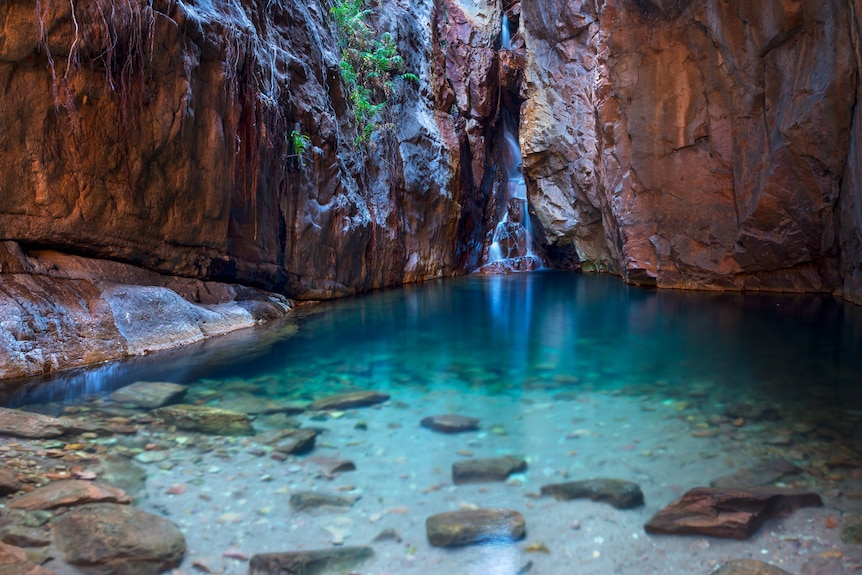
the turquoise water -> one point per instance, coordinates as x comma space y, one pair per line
522, 332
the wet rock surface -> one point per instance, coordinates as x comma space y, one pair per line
14, 561
732, 513
621, 494
205, 419
118, 539
349, 400
68, 493
311, 500
314, 562
16, 423
748, 567
450, 423
467, 527
149, 394
488, 469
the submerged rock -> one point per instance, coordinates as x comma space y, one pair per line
14, 561
310, 500
349, 400
450, 423
748, 567
732, 513
24, 536
8, 482
16, 423
466, 527
149, 394
67, 493
851, 532
211, 420
314, 562
489, 469
294, 441
764, 473
616, 492
118, 540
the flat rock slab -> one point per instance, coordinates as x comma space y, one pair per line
204, 419
256, 405
311, 500
13, 561
762, 474
349, 400
16, 423
150, 394
748, 567
466, 527
24, 536
118, 540
616, 492
489, 469
67, 493
450, 423
296, 441
8, 482
314, 562
731, 513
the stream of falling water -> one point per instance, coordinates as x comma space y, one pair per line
511, 246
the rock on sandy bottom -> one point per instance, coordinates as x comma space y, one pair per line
118, 540
349, 400
450, 423
748, 567
204, 419
469, 526
616, 492
487, 469
313, 562
732, 513
149, 394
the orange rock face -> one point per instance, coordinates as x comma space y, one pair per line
697, 144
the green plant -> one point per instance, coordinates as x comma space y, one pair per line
299, 143
369, 66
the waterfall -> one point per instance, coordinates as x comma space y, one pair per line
511, 246
505, 35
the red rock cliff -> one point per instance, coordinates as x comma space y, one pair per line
698, 143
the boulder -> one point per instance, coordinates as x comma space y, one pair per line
16, 423
450, 423
731, 513
349, 400
615, 492
149, 394
314, 562
488, 469
470, 526
118, 540
204, 419
67, 493
24, 536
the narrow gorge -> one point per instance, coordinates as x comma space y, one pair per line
177, 169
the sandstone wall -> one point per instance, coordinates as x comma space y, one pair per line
697, 143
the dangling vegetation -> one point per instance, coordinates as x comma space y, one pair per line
369, 66
299, 143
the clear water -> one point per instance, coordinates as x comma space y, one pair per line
545, 330
581, 374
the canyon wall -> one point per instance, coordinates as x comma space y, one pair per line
150, 165
697, 143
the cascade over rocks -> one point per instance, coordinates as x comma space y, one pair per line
149, 159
